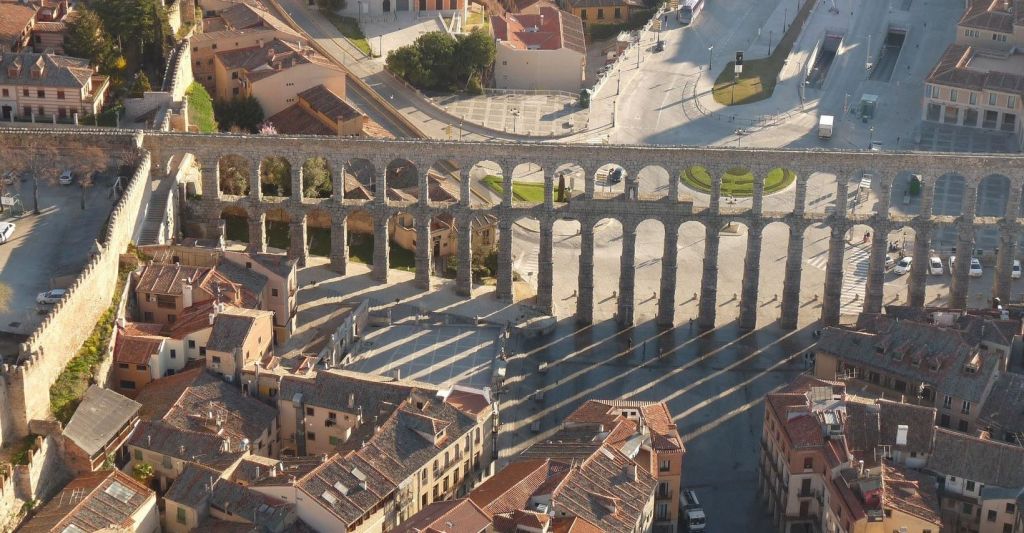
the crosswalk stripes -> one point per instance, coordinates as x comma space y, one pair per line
529, 264
819, 261
857, 261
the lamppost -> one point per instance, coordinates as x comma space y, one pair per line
710, 52
769, 42
515, 115
461, 122
871, 136
785, 18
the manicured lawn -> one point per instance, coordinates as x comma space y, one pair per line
737, 181
349, 27
759, 75
521, 191
200, 108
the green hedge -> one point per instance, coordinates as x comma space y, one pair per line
737, 181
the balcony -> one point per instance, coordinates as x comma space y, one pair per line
663, 494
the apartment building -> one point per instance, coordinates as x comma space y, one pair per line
16, 22
428, 448
829, 463
202, 496
98, 430
45, 86
164, 291
660, 452
939, 358
978, 81
95, 502
602, 11
274, 73
545, 51
319, 111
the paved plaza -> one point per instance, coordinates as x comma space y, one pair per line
525, 114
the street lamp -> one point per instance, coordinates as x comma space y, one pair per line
710, 51
871, 136
515, 115
769, 42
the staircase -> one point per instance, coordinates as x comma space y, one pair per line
152, 226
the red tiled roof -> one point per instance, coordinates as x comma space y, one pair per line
550, 29
14, 17
510, 488
135, 350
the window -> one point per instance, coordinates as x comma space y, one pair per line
808, 463
273, 292
165, 301
966, 407
6, 93
618, 13
202, 351
662, 511
171, 318
665, 465
41, 93
191, 344
1011, 508
947, 401
214, 47
334, 441
583, 14
934, 91
140, 367
974, 98
944, 421
123, 365
127, 385
24, 92
147, 316
962, 426
600, 14
174, 354
309, 411
215, 359
181, 515
234, 91
992, 98
60, 95
968, 508
992, 515
952, 95
1011, 101
969, 486
311, 436
234, 75
1007, 528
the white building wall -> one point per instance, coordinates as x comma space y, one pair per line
277, 92
552, 70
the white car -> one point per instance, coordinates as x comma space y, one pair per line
952, 263
6, 231
66, 178
975, 271
889, 262
903, 266
935, 266
1015, 273
51, 296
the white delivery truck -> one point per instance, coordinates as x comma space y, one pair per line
693, 513
825, 126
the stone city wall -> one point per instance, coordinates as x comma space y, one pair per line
57, 339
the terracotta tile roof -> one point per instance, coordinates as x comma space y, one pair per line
468, 402
983, 461
607, 489
200, 447
1003, 410
167, 279
451, 516
296, 120
911, 493
193, 319
805, 431
348, 487
511, 487
577, 4
268, 512
952, 70
142, 329
654, 416
323, 100
231, 330
550, 29
14, 18
102, 414
520, 520
991, 15
573, 524
136, 350
57, 71
193, 485
48, 27
253, 468
91, 502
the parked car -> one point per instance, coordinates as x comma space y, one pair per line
1015, 273
693, 513
66, 178
890, 261
935, 266
51, 296
952, 263
615, 175
6, 231
903, 266
975, 271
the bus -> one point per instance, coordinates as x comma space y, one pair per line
689, 11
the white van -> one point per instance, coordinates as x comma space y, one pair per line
692, 512
6, 231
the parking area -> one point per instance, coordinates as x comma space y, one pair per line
49, 249
947, 138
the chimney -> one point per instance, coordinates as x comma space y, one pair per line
186, 294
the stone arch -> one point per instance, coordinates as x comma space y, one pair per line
820, 192
235, 175
277, 228
402, 240
318, 232
690, 267
236, 223
317, 178
567, 180
774, 254
359, 226
359, 179
610, 181
490, 175
526, 251
566, 237
655, 182
906, 193
949, 193
648, 268
276, 176
607, 266
993, 195
444, 184
528, 183
402, 178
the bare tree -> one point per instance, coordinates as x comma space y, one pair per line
38, 158
88, 162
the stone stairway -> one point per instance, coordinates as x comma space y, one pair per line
155, 213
